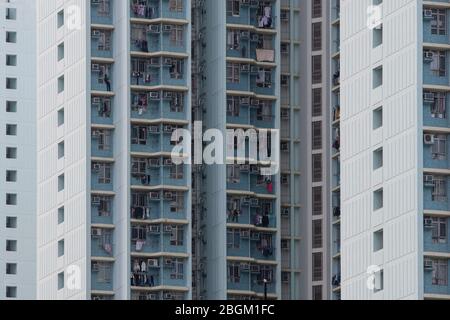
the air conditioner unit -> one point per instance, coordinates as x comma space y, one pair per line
153, 129
153, 28
428, 55
154, 95
245, 234
96, 201
153, 229
428, 222
428, 97
254, 69
96, 232
256, 236
254, 37
96, 133
154, 263
154, 195
152, 296
255, 268
96, 167
96, 100
168, 296
254, 169
428, 180
428, 14
246, 201
245, 67
245, 101
245, 2
167, 61
168, 229
168, 195
167, 28
96, 33
95, 267
285, 212
168, 162
255, 102
428, 264
245, 168
168, 129
168, 262
245, 266
95, 67
245, 34
168, 95
154, 61
428, 139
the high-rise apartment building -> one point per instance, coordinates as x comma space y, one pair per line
395, 176
113, 209
18, 150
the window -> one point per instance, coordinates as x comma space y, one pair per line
11, 130
317, 201
177, 69
234, 272
176, 36
439, 105
317, 234
317, 135
178, 269
439, 148
177, 236
11, 60
61, 51
317, 69
60, 280
233, 8
317, 293
439, 189
317, 8
61, 84
377, 118
11, 199
317, 266
61, 150
233, 173
378, 200
60, 117
11, 245
233, 72
377, 36
233, 106
438, 63
176, 5
233, 238
233, 39
378, 159
60, 215
317, 167
60, 248
317, 102
377, 75
60, 19
439, 230
11, 176
440, 272
317, 36
11, 222
11, 14
11, 37
11, 106
104, 176
11, 153
61, 183
378, 241
11, 83
11, 292
439, 22
11, 268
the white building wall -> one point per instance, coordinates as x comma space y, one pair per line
24, 281
400, 217
74, 132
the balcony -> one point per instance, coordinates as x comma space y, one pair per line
435, 193
435, 69
158, 238
154, 205
259, 16
101, 12
154, 9
158, 105
251, 211
436, 234
435, 106
149, 273
102, 143
101, 243
101, 276
155, 72
158, 37
102, 110
434, 29
152, 139
101, 44
434, 284
144, 173
101, 210
101, 77
101, 176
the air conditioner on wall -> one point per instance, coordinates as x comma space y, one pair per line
428, 139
